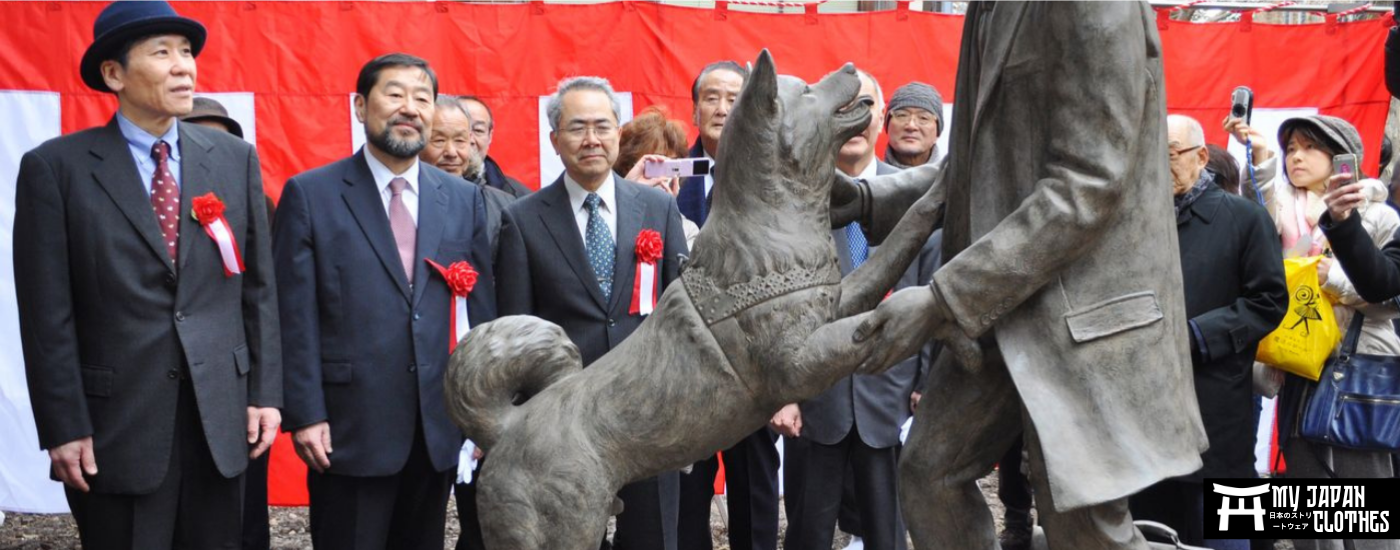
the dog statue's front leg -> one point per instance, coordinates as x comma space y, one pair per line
863, 289
829, 354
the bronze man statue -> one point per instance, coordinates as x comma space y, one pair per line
1061, 270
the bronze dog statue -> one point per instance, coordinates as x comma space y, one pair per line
761, 319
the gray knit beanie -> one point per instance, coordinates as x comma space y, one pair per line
916, 94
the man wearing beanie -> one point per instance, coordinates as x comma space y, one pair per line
914, 122
150, 345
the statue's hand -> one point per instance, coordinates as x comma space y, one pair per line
850, 201
906, 321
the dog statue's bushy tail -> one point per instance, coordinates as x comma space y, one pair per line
498, 366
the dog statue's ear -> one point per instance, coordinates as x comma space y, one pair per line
761, 89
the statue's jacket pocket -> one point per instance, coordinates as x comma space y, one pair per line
1113, 316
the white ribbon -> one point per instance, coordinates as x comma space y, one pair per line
647, 274
219, 231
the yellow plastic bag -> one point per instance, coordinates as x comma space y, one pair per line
1309, 331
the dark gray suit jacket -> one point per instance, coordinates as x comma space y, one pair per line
108, 324
875, 405
365, 344
549, 276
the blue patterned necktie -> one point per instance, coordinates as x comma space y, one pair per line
860, 248
602, 251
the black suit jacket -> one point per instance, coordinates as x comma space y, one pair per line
1375, 273
497, 179
109, 326
1236, 294
691, 199
550, 277
363, 348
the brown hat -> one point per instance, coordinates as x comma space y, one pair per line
208, 109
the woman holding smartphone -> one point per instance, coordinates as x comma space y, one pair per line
1295, 199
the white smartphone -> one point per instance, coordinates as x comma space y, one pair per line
677, 168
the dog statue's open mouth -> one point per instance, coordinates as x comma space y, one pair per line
855, 112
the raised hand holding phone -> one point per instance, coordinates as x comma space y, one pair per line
1344, 194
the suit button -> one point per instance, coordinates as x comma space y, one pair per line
612, 323
170, 280
172, 374
180, 316
416, 316
413, 368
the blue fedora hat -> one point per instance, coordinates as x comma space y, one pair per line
124, 21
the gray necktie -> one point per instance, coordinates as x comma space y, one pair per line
602, 251
405, 232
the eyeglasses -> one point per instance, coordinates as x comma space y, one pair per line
1174, 154
602, 130
924, 120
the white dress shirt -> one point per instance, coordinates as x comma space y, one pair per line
709, 176
382, 177
870, 171
608, 208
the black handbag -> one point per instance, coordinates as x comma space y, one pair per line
1356, 403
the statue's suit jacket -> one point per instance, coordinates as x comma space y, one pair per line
366, 345
1059, 239
876, 405
109, 325
549, 277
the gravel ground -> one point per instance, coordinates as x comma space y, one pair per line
57, 532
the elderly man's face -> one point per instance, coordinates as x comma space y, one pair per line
718, 92
158, 81
587, 138
482, 125
913, 131
450, 142
397, 111
1186, 159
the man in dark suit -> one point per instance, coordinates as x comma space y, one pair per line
483, 126
152, 357
751, 465
591, 219
1236, 294
849, 435
369, 319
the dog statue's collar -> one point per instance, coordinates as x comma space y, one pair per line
716, 304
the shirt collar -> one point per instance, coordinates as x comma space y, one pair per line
871, 170
577, 193
382, 174
142, 140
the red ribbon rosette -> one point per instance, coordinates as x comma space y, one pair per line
461, 279
208, 210
649, 249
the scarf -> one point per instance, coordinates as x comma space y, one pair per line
1185, 200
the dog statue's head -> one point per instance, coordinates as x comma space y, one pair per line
782, 129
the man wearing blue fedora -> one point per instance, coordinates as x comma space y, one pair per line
147, 310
